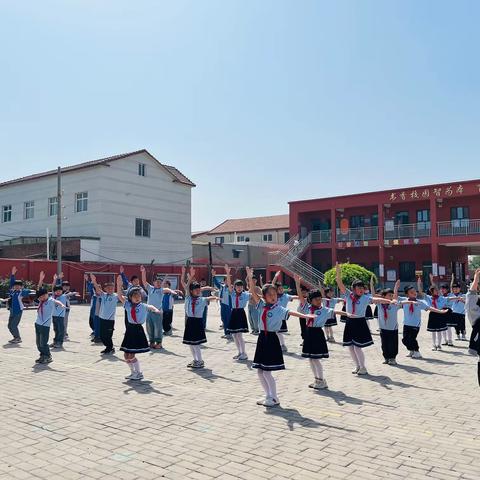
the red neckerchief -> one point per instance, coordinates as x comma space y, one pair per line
411, 307
194, 302
312, 311
40, 308
237, 300
133, 313
266, 309
385, 312
354, 299
434, 301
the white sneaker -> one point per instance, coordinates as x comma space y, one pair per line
362, 371
261, 400
410, 353
129, 377
458, 337
236, 357
320, 384
392, 361
355, 370
137, 376
270, 402
439, 347
242, 357
416, 355
434, 348
284, 349
450, 344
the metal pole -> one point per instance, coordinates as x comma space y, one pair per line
210, 261
59, 221
48, 244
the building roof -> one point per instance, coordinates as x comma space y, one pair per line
176, 175
273, 222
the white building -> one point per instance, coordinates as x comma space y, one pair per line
272, 229
132, 207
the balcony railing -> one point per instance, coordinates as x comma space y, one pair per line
363, 233
464, 226
321, 236
409, 230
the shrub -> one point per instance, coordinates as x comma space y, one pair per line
350, 272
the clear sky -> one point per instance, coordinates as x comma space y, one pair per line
258, 101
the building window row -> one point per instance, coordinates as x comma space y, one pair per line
81, 205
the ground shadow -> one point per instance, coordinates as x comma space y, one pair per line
44, 367
388, 383
143, 387
108, 358
341, 398
12, 345
164, 351
208, 374
414, 369
440, 362
292, 416
293, 355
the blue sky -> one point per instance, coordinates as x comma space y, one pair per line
258, 101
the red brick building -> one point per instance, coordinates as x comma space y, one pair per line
432, 228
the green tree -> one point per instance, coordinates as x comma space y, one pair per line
474, 262
350, 272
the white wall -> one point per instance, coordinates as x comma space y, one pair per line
278, 236
116, 196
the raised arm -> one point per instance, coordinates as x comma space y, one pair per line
452, 280
12, 276
372, 286
340, 283
124, 278
395, 289
476, 280
432, 281
121, 296
260, 280
228, 278
143, 274
298, 286
420, 285
96, 286
41, 279
276, 277
251, 286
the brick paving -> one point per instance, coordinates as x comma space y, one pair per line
77, 418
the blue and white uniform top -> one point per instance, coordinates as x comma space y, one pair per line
435, 302
240, 300
331, 303
388, 316
59, 311
356, 305
322, 314
108, 306
284, 299
155, 296
45, 312
167, 302
303, 307
136, 313
224, 295
271, 316
472, 309
457, 306
194, 306
412, 312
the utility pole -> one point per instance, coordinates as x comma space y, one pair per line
48, 244
59, 221
210, 261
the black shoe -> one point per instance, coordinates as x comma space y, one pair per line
39, 359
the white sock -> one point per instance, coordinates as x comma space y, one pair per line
313, 367
241, 343
272, 386
281, 338
136, 366
194, 353
199, 353
317, 368
235, 339
360, 356
351, 349
449, 334
439, 336
131, 365
262, 381
434, 338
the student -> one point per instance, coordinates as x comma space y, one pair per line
329, 301
238, 319
133, 282
456, 301
45, 311
58, 314
268, 353
134, 340
472, 310
436, 318
167, 308
194, 333
253, 317
93, 300
448, 317
225, 304
106, 314
283, 299
15, 305
69, 294
388, 324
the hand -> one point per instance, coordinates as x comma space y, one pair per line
119, 281
61, 275
14, 270
261, 277
297, 278
192, 272
227, 269
122, 270
93, 277
213, 272
42, 276
431, 277
55, 276
249, 273
142, 268
337, 267
85, 277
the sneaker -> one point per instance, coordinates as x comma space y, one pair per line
392, 361
97, 340
450, 344
66, 338
129, 377
355, 370
137, 376
386, 362
284, 349
198, 364
47, 360
39, 360
168, 334
362, 371
445, 343
464, 339
439, 347
270, 402
410, 353
416, 355
260, 401
242, 357
158, 346
458, 337
434, 348
236, 357
15, 340
320, 384
312, 385
108, 352
191, 364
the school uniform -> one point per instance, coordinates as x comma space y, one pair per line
205, 293
283, 300
315, 344
268, 353
412, 319
108, 307
331, 303
457, 317
253, 314
436, 321
134, 340
43, 322
238, 318
305, 309
356, 330
58, 319
225, 304
388, 324
167, 309
154, 319
194, 333
472, 311
16, 308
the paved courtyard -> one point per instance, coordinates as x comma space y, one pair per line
77, 418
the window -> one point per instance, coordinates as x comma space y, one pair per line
52, 206
401, 218
219, 240
6, 213
268, 237
357, 221
459, 213
81, 202
407, 271
240, 238
374, 221
142, 169
423, 219
286, 237
142, 227
28, 210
